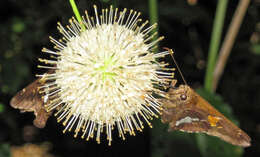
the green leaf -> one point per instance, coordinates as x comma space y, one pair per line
4, 150
105, 1
18, 25
165, 143
1, 107
212, 146
255, 48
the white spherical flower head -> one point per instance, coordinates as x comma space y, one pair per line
103, 75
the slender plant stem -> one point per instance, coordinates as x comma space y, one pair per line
77, 14
229, 40
153, 14
1, 107
214, 42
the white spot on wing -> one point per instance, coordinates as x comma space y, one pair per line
186, 120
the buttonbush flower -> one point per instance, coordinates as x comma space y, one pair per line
103, 74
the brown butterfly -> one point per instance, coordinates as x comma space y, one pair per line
30, 99
186, 111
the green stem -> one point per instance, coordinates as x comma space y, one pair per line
153, 14
77, 14
214, 43
1, 107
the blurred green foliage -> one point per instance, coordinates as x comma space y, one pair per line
165, 143
25, 28
5, 150
1, 107
18, 25
255, 48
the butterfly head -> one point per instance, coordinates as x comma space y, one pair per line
181, 96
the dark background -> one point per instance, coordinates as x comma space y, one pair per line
24, 30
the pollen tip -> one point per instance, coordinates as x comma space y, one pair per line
65, 60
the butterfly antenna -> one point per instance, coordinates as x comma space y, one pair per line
171, 53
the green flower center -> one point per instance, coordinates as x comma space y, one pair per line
106, 69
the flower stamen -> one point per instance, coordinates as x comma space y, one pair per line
104, 76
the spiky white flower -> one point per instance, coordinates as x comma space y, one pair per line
102, 75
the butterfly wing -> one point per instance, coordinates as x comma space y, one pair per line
221, 126
30, 100
194, 114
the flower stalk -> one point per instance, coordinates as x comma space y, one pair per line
214, 43
77, 14
153, 15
